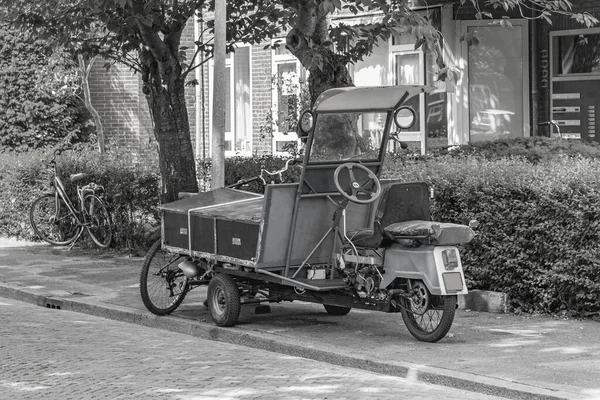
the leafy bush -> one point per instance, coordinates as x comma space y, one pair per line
33, 114
535, 149
132, 192
539, 233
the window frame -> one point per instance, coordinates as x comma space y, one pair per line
230, 135
277, 136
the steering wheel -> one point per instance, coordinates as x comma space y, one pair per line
356, 186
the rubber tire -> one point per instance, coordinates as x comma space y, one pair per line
100, 206
42, 236
223, 300
443, 327
336, 310
150, 305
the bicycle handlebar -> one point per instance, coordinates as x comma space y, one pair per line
260, 176
553, 123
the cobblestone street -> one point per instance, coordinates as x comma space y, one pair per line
55, 354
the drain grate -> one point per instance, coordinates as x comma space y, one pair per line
53, 303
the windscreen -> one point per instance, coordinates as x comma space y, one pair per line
348, 136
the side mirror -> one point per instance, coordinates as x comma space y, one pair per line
405, 117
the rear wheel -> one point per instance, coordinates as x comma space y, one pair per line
336, 310
53, 222
427, 317
163, 285
224, 300
98, 219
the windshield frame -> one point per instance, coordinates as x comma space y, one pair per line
367, 161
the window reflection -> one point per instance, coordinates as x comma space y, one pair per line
579, 54
495, 83
347, 136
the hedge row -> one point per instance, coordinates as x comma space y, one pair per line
132, 192
539, 235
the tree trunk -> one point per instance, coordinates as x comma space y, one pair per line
172, 132
330, 72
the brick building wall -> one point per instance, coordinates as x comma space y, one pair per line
261, 98
117, 95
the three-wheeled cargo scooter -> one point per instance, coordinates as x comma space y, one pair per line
340, 236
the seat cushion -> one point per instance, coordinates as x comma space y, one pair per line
440, 233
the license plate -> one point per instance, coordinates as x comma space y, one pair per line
453, 281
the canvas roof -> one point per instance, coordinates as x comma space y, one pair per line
367, 98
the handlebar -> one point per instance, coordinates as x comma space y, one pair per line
553, 123
278, 172
263, 171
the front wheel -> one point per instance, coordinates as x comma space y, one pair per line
163, 285
53, 222
427, 317
224, 300
97, 218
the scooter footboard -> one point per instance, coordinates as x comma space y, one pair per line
439, 267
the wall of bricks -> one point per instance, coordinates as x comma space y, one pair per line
117, 95
261, 98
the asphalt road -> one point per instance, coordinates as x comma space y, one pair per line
56, 354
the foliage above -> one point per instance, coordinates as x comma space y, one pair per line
125, 30
34, 110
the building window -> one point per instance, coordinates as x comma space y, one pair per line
577, 54
289, 98
238, 102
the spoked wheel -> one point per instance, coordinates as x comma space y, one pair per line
163, 285
224, 300
99, 223
53, 222
336, 310
427, 317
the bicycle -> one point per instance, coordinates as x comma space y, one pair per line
56, 220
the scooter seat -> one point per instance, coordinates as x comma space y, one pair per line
78, 177
430, 232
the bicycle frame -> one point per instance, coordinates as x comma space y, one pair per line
61, 192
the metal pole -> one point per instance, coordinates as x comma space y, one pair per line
219, 87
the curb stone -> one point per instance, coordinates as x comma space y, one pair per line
414, 372
484, 301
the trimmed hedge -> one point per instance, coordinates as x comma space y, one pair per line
132, 191
539, 235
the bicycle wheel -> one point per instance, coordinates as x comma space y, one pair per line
163, 285
427, 317
97, 218
53, 222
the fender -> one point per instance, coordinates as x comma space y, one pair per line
426, 263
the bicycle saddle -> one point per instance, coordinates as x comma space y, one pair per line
78, 177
